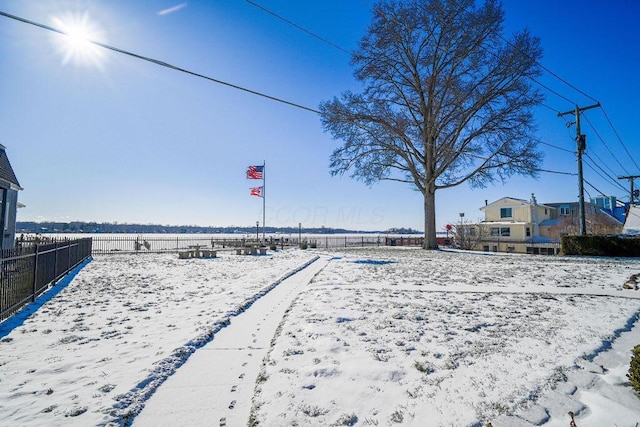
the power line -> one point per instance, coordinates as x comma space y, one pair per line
488, 50
163, 64
552, 91
253, 92
618, 135
606, 176
592, 186
605, 144
602, 162
556, 172
550, 72
550, 108
293, 24
553, 146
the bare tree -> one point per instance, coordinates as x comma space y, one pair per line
469, 235
446, 100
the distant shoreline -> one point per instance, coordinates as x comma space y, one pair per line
80, 227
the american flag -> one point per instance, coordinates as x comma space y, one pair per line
255, 172
256, 191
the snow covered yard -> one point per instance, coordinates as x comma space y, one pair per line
381, 336
446, 339
124, 322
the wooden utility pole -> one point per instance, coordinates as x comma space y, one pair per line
633, 193
581, 141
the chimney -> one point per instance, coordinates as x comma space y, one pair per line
534, 216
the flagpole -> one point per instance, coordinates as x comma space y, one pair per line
264, 195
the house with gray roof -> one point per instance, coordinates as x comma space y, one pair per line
9, 187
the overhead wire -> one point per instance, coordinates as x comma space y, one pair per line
163, 64
549, 71
604, 143
293, 24
195, 74
553, 146
561, 79
618, 136
603, 174
324, 40
602, 162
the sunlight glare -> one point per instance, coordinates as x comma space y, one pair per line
75, 45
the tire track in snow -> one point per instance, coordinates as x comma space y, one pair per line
132, 403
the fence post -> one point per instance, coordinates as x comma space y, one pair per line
35, 273
55, 266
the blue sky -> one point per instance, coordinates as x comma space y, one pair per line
117, 139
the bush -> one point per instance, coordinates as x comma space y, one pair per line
611, 246
303, 246
634, 370
273, 247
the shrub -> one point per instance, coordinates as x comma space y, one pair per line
273, 247
303, 246
611, 246
634, 370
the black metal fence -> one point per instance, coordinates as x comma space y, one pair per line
29, 270
344, 241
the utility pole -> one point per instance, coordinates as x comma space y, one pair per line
581, 141
633, 192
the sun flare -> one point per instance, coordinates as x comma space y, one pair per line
76, 43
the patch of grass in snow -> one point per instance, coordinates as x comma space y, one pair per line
262, 377
346, 420
313, 410
75, 411
292, 352
426, 367
381, 355
397, 417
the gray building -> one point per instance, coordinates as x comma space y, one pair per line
9, 187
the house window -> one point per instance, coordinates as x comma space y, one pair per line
500, 231
565, 211
506, 213
485, 248
528, 231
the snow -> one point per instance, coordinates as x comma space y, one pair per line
632, 222
378, 336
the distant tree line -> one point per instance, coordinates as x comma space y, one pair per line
114, 227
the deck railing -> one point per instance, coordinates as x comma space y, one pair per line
114, 244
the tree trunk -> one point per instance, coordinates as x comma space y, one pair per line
430, 219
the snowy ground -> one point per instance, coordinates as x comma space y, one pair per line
380, 336
124, 321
